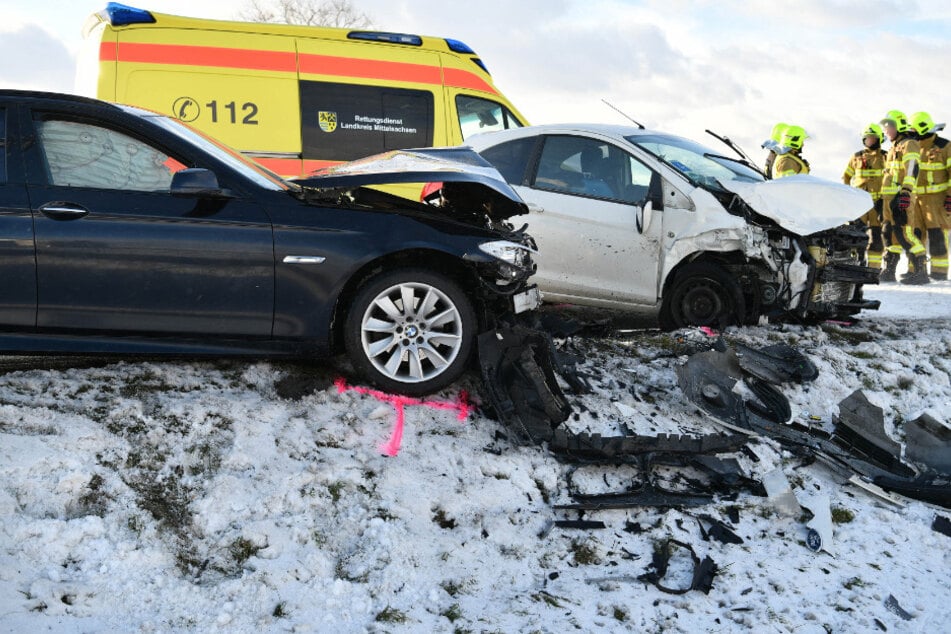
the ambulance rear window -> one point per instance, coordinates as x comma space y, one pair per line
342, 122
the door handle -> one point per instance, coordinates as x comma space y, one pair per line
59, 210
533, 208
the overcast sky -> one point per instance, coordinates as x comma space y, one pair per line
735, 67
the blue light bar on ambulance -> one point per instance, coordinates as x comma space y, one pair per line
392, 38
459, 47
119, 15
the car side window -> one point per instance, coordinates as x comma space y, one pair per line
511, 158
637, 182
79, 154
478, 115
3, 145
588, 167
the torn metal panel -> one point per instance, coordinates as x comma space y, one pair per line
928, 442
803, 204
518, 371
473, 177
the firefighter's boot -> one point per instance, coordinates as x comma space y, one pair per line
912, 269
891, 263
920, 276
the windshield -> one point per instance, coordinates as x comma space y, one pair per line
261, 176
700, 165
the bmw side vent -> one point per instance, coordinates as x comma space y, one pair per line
118, 14
392, 38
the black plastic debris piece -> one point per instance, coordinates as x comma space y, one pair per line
880, 625
926, 487
776, 364
928, 442
633, 528
941, 524
859, 446
708, 379
703, 571
724, 478
771, 404
582, 524
595, 447
891, 603
718, 530
733, 512
862, 424
518, 371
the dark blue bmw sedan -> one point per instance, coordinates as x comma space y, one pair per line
123, 231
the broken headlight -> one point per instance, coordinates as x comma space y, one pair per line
514, 258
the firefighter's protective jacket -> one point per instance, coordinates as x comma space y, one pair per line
901, 166
865, 171
934, 171
789, 164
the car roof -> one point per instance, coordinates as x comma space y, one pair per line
14, 94
487, 139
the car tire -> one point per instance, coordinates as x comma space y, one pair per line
703, 294
414, 349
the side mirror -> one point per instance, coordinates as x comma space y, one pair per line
644, 215
655, 195
196, 181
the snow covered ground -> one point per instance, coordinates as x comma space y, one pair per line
252, 497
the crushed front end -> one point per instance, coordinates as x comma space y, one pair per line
815, 277
838, 274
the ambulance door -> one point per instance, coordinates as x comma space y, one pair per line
358, 99
240, 88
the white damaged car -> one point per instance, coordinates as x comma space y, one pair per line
646, 222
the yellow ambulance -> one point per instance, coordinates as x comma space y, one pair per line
294, 98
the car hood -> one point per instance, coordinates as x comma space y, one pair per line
474, 182
803, 204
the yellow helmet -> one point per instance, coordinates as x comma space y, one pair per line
898, 119
777, 133
793, 137
873, 129
922, 123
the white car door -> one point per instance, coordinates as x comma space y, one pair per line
586, 203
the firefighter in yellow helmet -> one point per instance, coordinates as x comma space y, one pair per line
932, 196
789, 161
898, 188
772, 143
864, 171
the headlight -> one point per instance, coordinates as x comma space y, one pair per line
509, 252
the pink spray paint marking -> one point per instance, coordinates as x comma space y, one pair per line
392, 446
708, 331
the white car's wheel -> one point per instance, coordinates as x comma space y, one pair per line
410, 331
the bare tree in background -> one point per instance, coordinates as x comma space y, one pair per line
340, 13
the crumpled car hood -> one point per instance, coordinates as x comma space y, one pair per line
473, 177
803, 204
